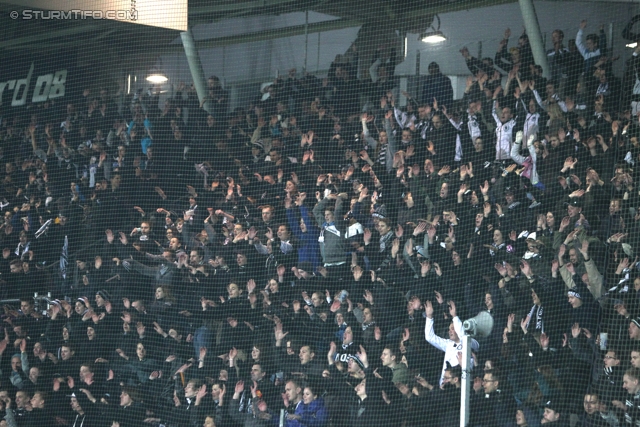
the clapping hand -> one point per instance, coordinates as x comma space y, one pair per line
524, 324
452, 309
544, 341
428, 309
362, 355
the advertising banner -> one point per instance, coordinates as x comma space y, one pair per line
170, 14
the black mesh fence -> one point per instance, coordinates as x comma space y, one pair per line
324, 245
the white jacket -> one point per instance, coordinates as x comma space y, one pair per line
450, 348
504, 135
531, 170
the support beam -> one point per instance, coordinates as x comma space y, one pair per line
535, 37
306, 39
195, 66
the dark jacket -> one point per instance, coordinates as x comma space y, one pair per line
437, 86
247, 419
130, 416
494, 409
368, 413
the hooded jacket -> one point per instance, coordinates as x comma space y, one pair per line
314, 414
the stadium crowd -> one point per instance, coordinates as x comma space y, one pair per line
317, 251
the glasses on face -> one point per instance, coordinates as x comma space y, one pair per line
610, 357
487, 381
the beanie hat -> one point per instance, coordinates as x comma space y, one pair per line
573, 293
357, 360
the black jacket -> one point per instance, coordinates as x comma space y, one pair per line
494, 409
130, 416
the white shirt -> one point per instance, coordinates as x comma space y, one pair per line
474, 127
450, 348
530, 125
504, 136
458, 126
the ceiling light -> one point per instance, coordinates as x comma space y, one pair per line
157, 79
433, 34
433, 37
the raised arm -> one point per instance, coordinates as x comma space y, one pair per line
373, 70
367, 135
494, 112
579, 39
539, 100
595, 278
294, 224
515, 149
318, 211
304, 215
429, 334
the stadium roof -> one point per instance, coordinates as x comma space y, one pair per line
35, 35
403, 15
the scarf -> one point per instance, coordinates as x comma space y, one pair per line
163, 269
366, 326
384, 241
22, 249
331, 228
603, 89
538, 311
514, 205
64, 257
495, 249
354, 230
285, 247
79, 424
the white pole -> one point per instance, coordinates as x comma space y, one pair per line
465, 408
195, 66
610, 38
306, 38
535, 37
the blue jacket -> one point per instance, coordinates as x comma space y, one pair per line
309, 249
314, 414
